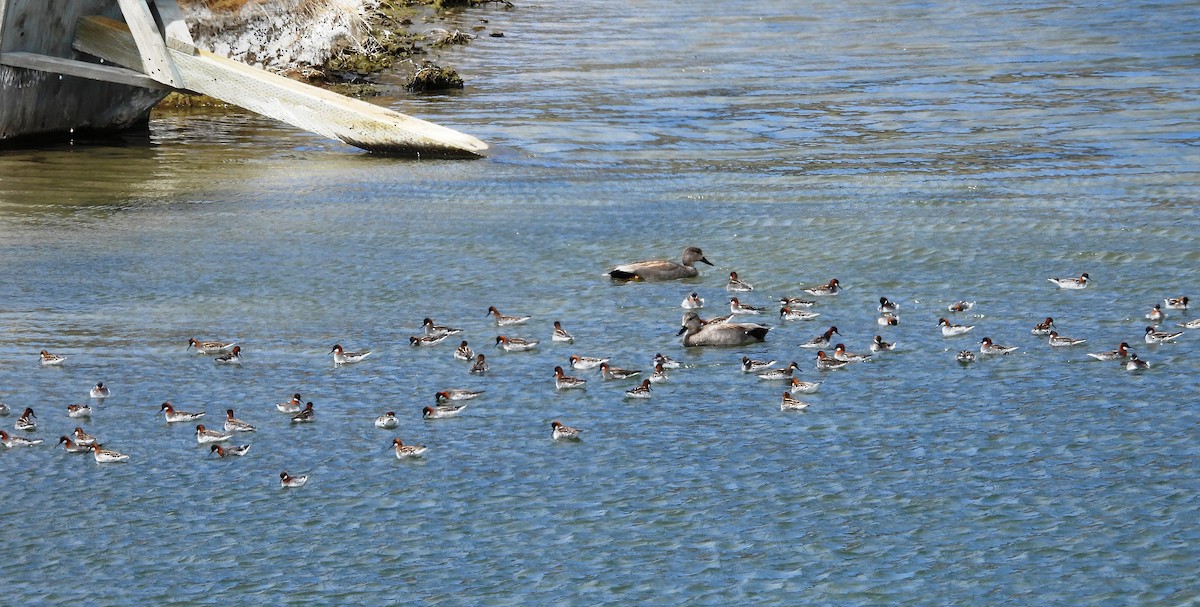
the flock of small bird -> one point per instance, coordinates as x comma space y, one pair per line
726, 330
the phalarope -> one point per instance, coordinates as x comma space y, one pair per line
961, 306
965, 356
583, 363
71, 446
878, 345
441, 411
749, 365
804, 387
987, 347
420, 341
49, 359
1176, 303
233, 358
17, 441
566, 382
737, 285
950, 330
204, 435
233, 424
828, 363
237, 451
833, 287
887, 307
560, 432
404, 451
1191, 324
1122, 351
608, 372
1156, 314
433, 330
480, 365
387, 421
784, 373
1136, 364
821, 341
642, 391
288, 481
342, 357
291, 406
659, 375
796, 302
506, 321
1154, 336
104, 456
1071, 283
560, 334
83, 438
661, 269
737, 307
692, 302
456, 394
887, 320
173, 415
840, 353
211, 347
1062, 341
515, 344
789, 403
25, 422
306, 415
79, 411
463, 352
100, 391
786, 313
1043, 328
666, 361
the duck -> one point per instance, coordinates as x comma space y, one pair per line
480, 366
25, 422
796, 302
404, 451
823, 340
173, 415
100, 391
83, 438
749, 365
237, 451
804, 387
562, 381
342, 357
1154, 336
441, 411
1191, 324
1122, 351
306, 415
463, 352
421, 341
840, 353
49, 360
987, 347
1156, 314
233, 358
783, 373
1176, 303
434, 330
961, 306
583, 363
1062, 341
506, 321
828, 363
887, 307
965, 356
787, 313
659, 375
288, 481
692, 302
104, 456
560, 334
515, 344
205, 436
17, 441
950, 330
716, 320
560, 432
291, 406
233, 424
737, 285
387, 421
1136, 364
666, 361
790, 403
609, 373
833, 287
71, 446
1071, 283
724, 334
456, 394
887, 320
211, 347
661, 269
641, 391
878, 345
737, 307
79, 411
1043, 328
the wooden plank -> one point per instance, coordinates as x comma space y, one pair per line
71, 67
3, 9
174, 28
155, 60
355, 122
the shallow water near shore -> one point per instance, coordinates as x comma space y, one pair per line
922, 153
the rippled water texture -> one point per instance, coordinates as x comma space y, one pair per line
923, 152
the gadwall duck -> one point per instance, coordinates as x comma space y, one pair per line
695, 333
661, 269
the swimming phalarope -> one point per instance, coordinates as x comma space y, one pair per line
737, 307
608, 372
233, 424
506, 321
804, 387
49, 359
456, 394
965, 356
4, 410
560, 334
641, 391
480, 365
433, 330
1062, 341
1136, 364
404, 451
833, 287
961, 306
661, 269
796, 302
83, 438
659, 375
1160, 337
583, 363
887, 307
211, 347
419, 341
463, 352
306, 415
840, 353
71, 446
987, 347
342, 357
1191, 324
100, 391
237, 451
878, 345
950, 330
1122, 351
288, 481
789, 403
1071, 283
1043, 328
233, 358
17, 441
749, 365
441, 411
666, 361
291, 406
783, 373
692, 302
887, 320
566, 382
737, 285
387, 421
515, 344
828, 363
174, 416
1156, 314
25, 422
104, 456
1176, 303
716, 320
79, 411
204, 435
786, 313
560, 432
822, 340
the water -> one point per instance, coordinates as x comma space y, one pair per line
920, 151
